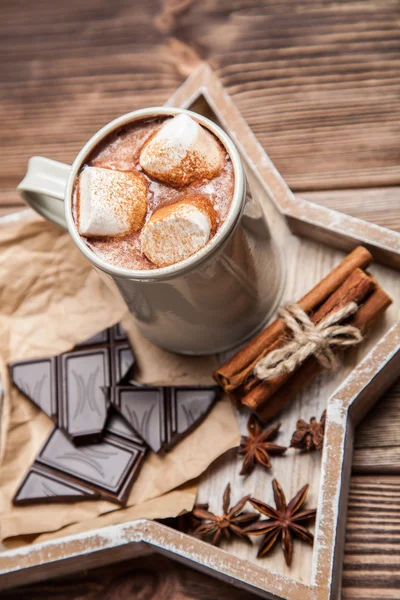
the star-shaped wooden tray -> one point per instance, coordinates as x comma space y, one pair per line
309, 235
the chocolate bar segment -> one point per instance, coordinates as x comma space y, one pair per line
118, 333
108, 468
69, 387
120, 427
100, 464
161, 416
65, 472
121, 357
38, 381
122, 362
82, 411
189, 405
42, 484
98, 338
145, 411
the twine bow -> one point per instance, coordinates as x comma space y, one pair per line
309, 339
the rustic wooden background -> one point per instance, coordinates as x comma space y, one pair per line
318, 82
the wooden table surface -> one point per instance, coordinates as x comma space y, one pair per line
318, 82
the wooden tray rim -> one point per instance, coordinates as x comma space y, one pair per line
347, 405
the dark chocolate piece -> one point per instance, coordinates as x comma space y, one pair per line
105, 470
161, 416
42, 484
37, 380
118, 332
69, 387
105, 465
117, 342
120, 427
82, 411
98, 338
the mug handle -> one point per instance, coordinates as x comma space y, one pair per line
43, 188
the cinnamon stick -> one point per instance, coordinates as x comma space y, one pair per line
354, 289
234, 373
364, 318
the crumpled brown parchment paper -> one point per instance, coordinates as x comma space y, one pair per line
50, 299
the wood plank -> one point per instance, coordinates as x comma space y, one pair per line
371, 565
377, 205
377, 443
317, 81
149, 577
372, 558
70, 69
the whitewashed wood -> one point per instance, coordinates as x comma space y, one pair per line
294, 469
377, 205
315, 573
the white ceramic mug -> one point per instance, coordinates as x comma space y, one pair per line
207, 303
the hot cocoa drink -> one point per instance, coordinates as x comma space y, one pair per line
153, 193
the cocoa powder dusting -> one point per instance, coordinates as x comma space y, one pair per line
121, 151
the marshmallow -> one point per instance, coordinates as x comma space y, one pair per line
111, 202
177, 231
181, 152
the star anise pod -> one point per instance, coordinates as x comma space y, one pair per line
185, 522
309, 436
283, 521
257, 447
232, 521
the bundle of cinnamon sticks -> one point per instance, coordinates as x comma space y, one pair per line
348, 282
